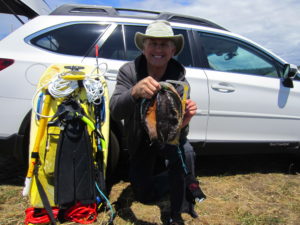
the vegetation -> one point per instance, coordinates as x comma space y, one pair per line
241, 190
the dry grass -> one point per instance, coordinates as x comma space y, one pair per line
241, 190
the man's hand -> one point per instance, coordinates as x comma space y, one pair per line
190, 111
145, 88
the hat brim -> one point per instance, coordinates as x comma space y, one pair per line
178, 40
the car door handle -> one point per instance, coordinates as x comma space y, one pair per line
223, 87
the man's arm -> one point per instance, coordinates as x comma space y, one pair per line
122, 104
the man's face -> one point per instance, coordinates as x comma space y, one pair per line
158, 51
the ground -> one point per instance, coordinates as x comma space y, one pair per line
241, 190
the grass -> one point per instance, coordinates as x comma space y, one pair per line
241, 190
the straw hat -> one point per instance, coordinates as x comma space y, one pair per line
159, 29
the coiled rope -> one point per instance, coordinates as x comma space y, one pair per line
58, 87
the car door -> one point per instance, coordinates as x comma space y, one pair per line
248, 102
117, 46
198, 87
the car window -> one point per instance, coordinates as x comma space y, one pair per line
122, 47
224, 54
185, 56
75, 39
113, 47
131, 50
119, 46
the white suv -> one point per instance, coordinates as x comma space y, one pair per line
245, 93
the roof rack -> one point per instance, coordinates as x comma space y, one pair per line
95, 10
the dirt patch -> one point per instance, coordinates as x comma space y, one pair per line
241, 190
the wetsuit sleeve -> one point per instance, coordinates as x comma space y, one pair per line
122, 104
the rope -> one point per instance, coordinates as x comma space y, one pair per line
59, 87
182, 161
112, 215
94, 91
38, 216
84, 214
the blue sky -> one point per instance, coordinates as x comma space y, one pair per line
273, 24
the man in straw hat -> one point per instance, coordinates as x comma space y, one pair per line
138, 80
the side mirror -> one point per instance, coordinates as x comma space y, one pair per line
289, 73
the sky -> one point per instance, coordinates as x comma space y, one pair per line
273, 24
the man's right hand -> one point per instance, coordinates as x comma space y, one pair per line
145, 88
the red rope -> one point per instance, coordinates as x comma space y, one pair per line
37, 215
84, 214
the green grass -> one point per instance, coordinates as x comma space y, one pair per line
247, 218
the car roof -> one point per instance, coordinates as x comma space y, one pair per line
108, 11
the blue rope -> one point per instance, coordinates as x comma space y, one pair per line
103, 112
182, 161
39, 105
110, 206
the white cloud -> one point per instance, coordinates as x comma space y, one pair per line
271, 23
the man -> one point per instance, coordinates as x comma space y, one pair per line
139, 80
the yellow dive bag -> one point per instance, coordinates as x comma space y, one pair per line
68, 149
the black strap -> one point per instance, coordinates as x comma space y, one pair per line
44, 197
35, 155
80, 83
